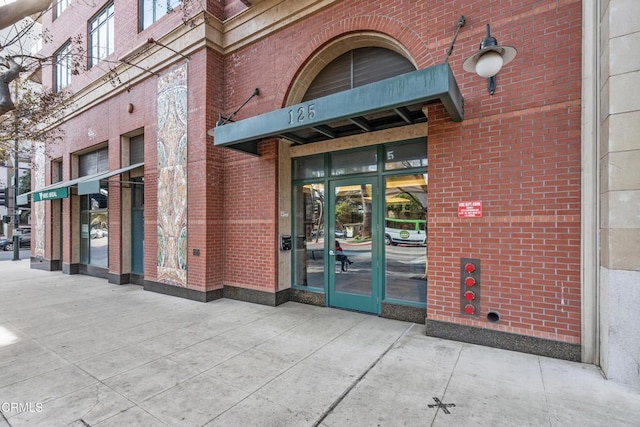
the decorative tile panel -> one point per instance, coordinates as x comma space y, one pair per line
172, 177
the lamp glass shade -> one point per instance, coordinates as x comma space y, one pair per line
489, 64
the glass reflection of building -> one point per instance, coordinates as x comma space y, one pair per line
94, 225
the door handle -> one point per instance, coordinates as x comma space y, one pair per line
331, 252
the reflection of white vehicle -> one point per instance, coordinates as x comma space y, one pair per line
96, 233
405, 231
340, 234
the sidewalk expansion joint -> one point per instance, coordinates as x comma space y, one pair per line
344, 394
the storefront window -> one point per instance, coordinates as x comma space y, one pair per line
309, 211
94, 229
395, 219
405, 237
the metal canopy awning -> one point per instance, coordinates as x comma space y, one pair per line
60, 190
92, 185
388, 103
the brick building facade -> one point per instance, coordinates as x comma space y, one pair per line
254, 213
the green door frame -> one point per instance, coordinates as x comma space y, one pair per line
353, 301
378, 225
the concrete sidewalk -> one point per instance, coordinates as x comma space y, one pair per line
76, 350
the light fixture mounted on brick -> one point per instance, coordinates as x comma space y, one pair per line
488, 61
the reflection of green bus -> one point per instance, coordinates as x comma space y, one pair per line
405, 231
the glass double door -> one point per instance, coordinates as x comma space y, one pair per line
359, 221
352, 247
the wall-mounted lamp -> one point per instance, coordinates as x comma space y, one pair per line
488, 61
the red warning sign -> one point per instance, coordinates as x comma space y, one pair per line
472, 209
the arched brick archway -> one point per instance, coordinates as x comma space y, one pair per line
346, 35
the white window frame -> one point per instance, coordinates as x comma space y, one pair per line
101, 35
59, 7
62, 68
152, 10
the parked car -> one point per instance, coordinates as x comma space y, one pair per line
7, 244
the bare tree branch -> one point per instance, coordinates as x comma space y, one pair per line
33, 119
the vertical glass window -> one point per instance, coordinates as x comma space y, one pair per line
94, 228
405, 237
353, 210
152, 10
137, 191
56, 171
137, 225
101, 35
94, 212
136, 149
84, 236
59, 7
309, 212
62, 68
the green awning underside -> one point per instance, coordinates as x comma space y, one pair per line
385, 104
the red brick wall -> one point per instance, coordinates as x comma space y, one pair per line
108, 121
215, 200
107, 124
518, 151
250, 220
205, 204
528, 239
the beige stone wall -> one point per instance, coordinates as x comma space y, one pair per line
620, 142
619, 137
